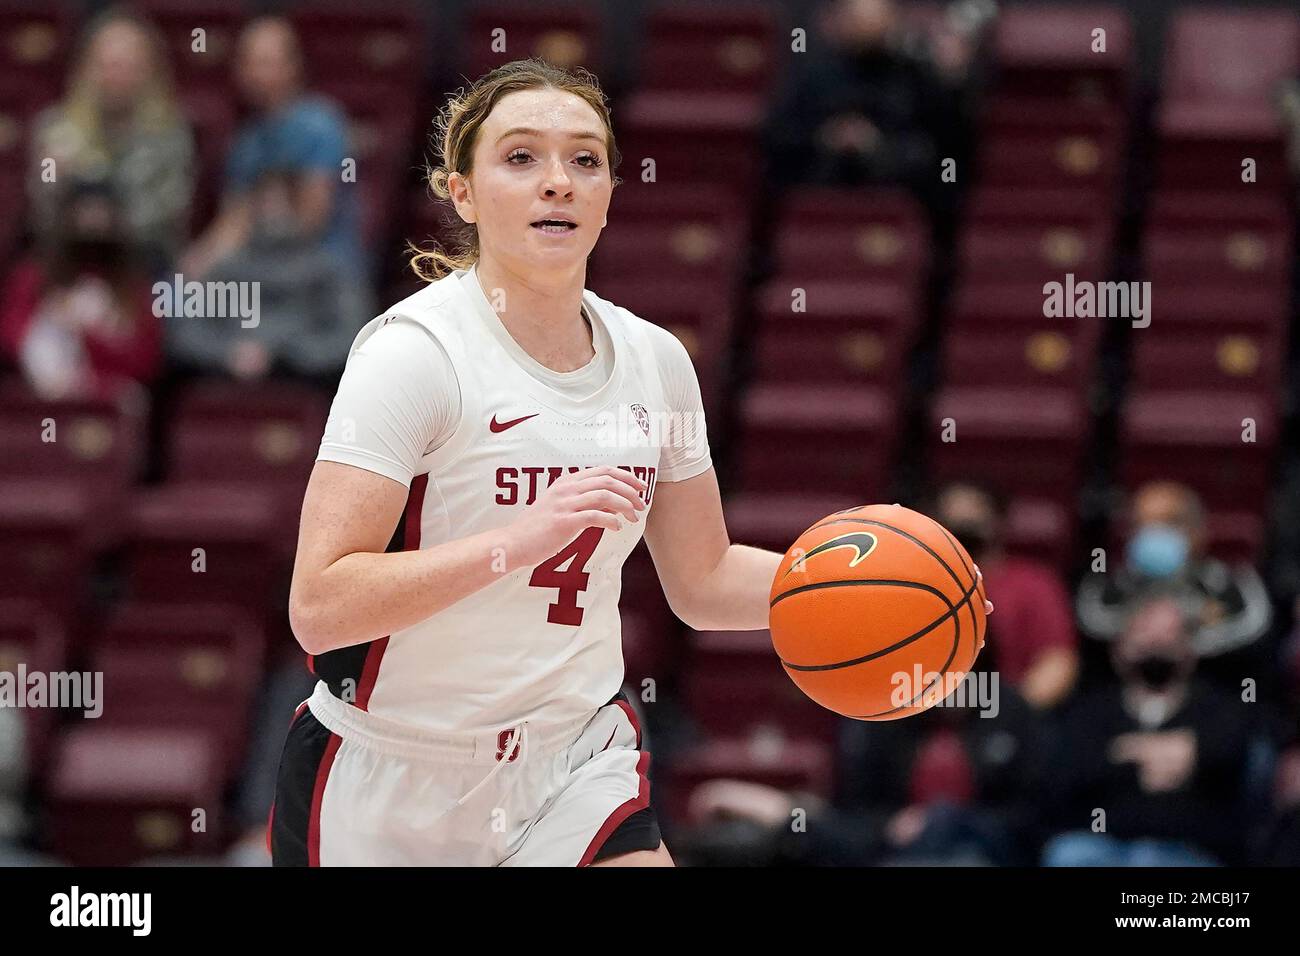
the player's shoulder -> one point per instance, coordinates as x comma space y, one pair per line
661, 342
422, 319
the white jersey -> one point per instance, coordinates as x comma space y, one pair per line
541, 644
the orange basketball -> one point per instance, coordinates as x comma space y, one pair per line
876, 612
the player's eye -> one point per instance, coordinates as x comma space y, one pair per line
518, 153
590, 160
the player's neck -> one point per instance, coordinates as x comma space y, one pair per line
545, 319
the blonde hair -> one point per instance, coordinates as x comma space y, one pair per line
155, 109
456, 134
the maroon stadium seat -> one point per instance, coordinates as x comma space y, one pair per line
697, 249
1240, 208
735, 687
238, 534
228, 431
38, 37
1025, 441
1217, 255
238, 465
1059, 352
95, 450
1041, 529
1084, 157
184, 666
774, 521
1196, 437
119, 794
379, 42
1002, 305
841, 233
562, 33
50, 533
698, 311
1222, 309
1046, 51
834, 439
719, 47
1226, 54
685, 132
1222, 72
1165, 358
868, 251
847, 332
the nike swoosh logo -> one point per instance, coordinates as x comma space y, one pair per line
497, 426
862, 543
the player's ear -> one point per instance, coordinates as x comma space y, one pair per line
461, 197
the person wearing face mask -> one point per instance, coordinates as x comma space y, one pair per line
1032, 641
1161, 753
1168, 546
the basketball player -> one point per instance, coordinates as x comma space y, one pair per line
520, 434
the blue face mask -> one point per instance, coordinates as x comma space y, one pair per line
1157, 551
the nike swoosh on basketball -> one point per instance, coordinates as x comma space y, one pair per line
497, 426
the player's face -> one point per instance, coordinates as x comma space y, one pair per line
540, 155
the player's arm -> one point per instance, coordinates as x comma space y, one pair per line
346, 590
710, 583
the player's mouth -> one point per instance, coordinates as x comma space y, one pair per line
555, 226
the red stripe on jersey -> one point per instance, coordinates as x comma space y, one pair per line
631, 716
317, 797
410, 542
639, 802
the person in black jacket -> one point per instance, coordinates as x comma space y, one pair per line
873, 103
1153, 770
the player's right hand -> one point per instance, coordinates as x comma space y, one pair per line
594, 497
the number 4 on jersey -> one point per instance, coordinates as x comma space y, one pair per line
548, 574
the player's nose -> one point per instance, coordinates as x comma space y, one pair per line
556, 179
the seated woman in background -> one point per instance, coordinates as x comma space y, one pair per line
119, 123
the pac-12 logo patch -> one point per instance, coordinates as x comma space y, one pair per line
642, 416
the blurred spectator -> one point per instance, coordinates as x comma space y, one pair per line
879, 105
286, 223
1031, 640
307, 310
1164, 754
1167, 545
957, 785
119, 123
78, 320
290, 132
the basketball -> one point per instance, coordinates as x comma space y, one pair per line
877, 612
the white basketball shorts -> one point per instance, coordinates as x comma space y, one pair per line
359, 790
